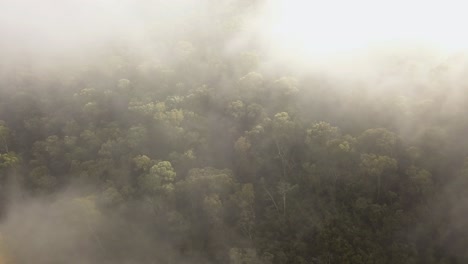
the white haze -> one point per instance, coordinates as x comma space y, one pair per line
361, 40
317, 29
345, 37
52, 31
386, 45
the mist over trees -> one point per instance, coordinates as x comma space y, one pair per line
185, 143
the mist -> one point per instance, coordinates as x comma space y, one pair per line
233, 131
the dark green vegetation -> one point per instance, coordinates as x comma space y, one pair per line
210, 159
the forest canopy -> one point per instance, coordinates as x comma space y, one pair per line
172, 133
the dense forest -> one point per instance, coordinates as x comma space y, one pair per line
186, 151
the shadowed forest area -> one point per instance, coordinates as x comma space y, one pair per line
195, 147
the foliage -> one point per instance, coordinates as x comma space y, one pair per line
212, 157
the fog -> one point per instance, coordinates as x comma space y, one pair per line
233, 131
74, 31
322, 30
353, 39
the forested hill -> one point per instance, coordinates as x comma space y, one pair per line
209, 156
